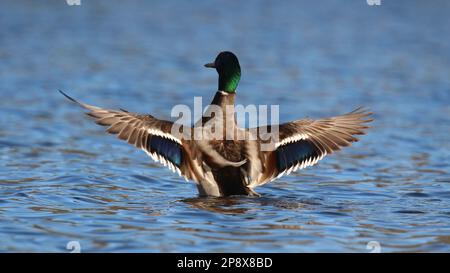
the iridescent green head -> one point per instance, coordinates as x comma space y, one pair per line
227, 65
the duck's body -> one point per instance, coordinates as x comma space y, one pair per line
227, 178
231, 162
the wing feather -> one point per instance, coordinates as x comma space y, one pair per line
144, 132
304, 142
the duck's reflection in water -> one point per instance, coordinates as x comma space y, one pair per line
243, 204
225, 205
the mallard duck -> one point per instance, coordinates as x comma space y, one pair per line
229, 165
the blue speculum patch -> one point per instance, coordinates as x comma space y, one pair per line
294, 153
169, 149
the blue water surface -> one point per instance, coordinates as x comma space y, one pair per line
63, 179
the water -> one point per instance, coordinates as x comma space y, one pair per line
63, 179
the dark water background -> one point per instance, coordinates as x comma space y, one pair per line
63, 179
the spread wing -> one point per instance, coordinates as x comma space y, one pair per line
304, 142
145, 132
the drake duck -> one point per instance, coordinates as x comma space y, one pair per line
231, 166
